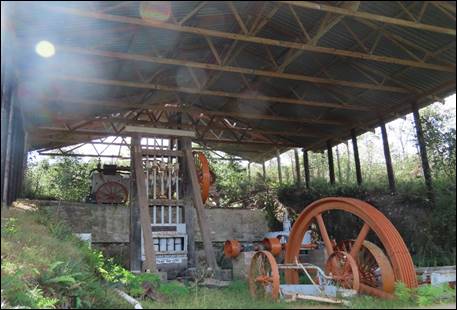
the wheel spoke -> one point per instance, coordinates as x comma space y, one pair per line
324, 234
359, 241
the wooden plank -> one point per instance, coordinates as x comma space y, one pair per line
252, 39
159, 131
166, 202
306, 168
423, 154
389, 167
216, 93
331, 167
158, 152
173, 107
370, 16
198, 204
355, 147
226, 68
145, 217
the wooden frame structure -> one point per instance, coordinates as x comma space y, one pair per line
249, 78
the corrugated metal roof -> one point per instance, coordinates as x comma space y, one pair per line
33, 23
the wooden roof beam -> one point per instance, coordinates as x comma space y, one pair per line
370, 16
217, 93
252, 39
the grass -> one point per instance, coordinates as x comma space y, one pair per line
423, 296
236, 296
44, 268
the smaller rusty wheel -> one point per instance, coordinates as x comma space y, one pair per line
272, 245
203, 174
232, 248
111, 192
343, 269
374, 267
264, 276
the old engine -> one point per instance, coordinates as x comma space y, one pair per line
109, 185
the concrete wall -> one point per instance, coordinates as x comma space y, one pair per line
110, 224
242, 224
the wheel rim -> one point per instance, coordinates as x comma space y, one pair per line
264, 276
374, 266
343, 268
397, 252
203, 174
111, 192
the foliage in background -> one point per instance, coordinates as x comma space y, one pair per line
62, 178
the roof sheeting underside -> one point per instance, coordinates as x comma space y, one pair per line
35, 22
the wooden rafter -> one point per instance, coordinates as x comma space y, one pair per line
253, 39
370, 16
187, 90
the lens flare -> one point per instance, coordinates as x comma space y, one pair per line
155, 11
45, 49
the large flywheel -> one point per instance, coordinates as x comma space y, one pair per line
111, 192
204, 174
374, 264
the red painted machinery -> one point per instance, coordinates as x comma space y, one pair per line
357, 264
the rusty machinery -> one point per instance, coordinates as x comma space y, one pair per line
109, 185
354, 264
164, 178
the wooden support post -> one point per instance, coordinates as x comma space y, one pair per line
331, 168
297, 167
145, 216
198, 204
249, 172
7, 163
306, 167
338, 163
264, 172
278, 158
390, 170
358, 171
135, 226
423, 155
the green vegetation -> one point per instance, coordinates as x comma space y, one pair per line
406, 298
46, 267
63, 178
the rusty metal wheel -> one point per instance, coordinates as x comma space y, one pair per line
232, 248
373, 220
273, 245
203, 174
374, 266
343, 269
264, 276
111, 192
